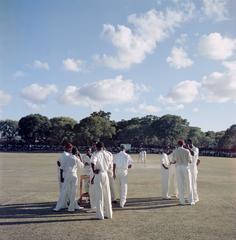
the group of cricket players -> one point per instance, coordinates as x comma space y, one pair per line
178, 168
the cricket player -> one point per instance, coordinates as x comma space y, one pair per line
182, 158
100, 163
194, 168
122, 163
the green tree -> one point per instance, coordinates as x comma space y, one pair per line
62, 128
228, 141
170, 128
196, 134
9, 129
96, 127
34, 128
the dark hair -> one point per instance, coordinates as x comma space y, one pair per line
75, 151
100, 145
122, 147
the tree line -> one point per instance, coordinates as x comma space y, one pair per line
148, 131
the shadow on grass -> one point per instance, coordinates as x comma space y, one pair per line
43, 213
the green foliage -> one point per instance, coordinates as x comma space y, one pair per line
228, 141
62, 128
34, 128
96, 127
9, 129
170, 128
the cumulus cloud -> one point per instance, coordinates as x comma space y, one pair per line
179, 58
221, 86
102, 92
37, 64
5, 98
184, 92
215, 9
215, 46
74, 65
134, 43
144, 108
35, 95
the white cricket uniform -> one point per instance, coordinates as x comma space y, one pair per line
142, 156
111, 179
182, 157
194, 172
165, 175
102, 162
122, 160
69, 166
61, 159
87, 170
91, 186
172, 185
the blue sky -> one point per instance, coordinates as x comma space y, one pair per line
129, 57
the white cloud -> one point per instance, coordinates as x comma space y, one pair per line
215, 9
179, 58
19, 74
5, 98
35, 95
102, 92
74, 65
195, 110
221, 86
182, 39
144, 108
184, 92
135, 43
40, 65
217, 47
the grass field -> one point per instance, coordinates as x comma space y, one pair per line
29, 189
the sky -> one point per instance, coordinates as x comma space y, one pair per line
129, 57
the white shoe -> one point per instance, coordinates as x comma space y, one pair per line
79, 208
192, 203
197, 200
55, 210
71, 210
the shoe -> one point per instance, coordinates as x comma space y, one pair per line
79, 208
196, 200
192, 203
166, 198
115, 201
55, 210
71, 210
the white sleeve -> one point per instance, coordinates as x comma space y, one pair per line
130, 160
79, 163
94, 159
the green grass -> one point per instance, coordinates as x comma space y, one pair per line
29, 189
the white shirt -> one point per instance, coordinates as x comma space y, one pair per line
195, 156
62, 158
102, 160
86, 160
71, 164
165, 160
122, 160
182, 156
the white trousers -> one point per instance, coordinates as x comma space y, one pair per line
92, 193
102, 196
194, 173
112, 186
172, 186
184, 179
68, 193
164, 182
122, 178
